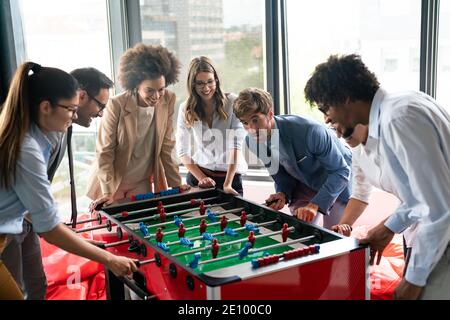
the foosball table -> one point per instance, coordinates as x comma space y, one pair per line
207, 244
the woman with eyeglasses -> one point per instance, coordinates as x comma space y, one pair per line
208, 126
36, 105
135, 143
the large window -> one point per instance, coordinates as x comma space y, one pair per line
443, 75
69, 35
385, 33
230, 32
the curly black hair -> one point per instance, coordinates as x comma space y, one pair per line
339, 78
147, 62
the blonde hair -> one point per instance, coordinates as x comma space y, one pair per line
252, 100
194, 105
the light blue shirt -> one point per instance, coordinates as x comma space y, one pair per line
31, 189
414, 134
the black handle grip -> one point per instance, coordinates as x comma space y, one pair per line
138, 290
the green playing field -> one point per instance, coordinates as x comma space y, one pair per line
224, 249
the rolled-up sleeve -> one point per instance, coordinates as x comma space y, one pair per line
361, 187
33, 188
183, 134
169, 162
237, 134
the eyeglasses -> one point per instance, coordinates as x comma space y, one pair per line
73, 109
201, 84
100, 105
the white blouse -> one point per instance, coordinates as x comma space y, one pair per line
210, 147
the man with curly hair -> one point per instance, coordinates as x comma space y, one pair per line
411, 131
135, 139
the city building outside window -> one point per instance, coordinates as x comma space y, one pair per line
69, 35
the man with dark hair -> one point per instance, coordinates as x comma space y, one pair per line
93, 94
309, 165
412, 132
22, 256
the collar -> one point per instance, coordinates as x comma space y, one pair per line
42, 140
374, 116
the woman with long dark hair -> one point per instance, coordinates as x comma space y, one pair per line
38, 103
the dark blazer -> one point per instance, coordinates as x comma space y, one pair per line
311, 150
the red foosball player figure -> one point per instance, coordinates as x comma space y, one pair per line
159, 235
181, 231
285, 232
223, 223
243, 219
203, 226
251, 238
162, 214
214, 248
202, 208
160, 205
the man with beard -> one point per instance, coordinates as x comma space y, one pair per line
413, 132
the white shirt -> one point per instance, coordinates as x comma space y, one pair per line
368, 171
414, 134
212, 146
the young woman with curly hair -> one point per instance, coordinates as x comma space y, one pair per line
135, 143
207, 119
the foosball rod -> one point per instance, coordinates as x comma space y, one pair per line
220, 213
229, 243
196, 227
192, 201
225, 244
108, 226
263, 224
98, 218
153, 217
171, 214
250, 251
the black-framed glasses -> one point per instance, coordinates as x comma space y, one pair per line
73, 109
100, 105
201, 84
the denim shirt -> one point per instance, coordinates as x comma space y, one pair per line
30, 192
